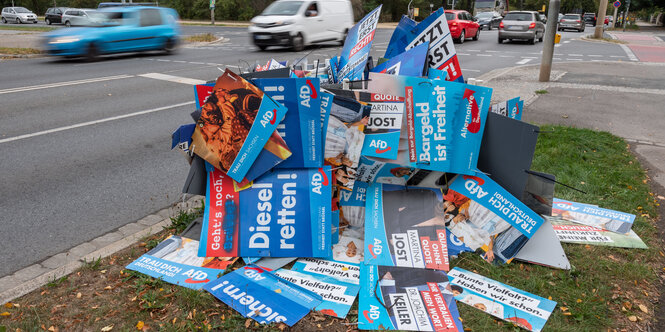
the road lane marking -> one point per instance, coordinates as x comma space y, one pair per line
617, 56
473, 70
171, 78
55, 85
574, 54
483, 55
523, 61
629, 53
594, 55
90, 123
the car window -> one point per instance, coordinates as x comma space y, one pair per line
518, 17
450, 16
570, 17
283, 8
312, 9
150, 17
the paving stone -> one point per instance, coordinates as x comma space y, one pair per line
131, 229
59, 260
150, 220
165, 213
106, 239
8, 282
82, 249
30, 272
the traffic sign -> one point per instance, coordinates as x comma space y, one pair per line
616, 4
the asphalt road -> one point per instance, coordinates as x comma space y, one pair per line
86, 146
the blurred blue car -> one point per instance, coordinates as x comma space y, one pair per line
122, 29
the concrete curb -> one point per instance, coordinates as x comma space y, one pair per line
22, 56
57, 266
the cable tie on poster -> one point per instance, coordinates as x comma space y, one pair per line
378, 299
555, 181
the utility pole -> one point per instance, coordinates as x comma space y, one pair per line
548, 43
212, 12
625, 15
614, 17
602, 9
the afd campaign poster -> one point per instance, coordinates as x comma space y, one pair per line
175, 261
405, 228
301, 127
383, 129
513, 305
346, 272
285, 213
260, 295
512, 108
356, 48
201, 94
408, 63
236, 122
337, 296
592, 215
572, 232
434, 29
485, 216
402, 298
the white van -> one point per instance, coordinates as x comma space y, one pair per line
300, 23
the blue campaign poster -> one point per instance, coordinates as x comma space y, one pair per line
408, 63
258, 294
469, 126
356, 48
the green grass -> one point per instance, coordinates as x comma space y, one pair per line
541, 92
601, 165
180, 222
93, 265
18, 50
57, 282
200, 38
25, 28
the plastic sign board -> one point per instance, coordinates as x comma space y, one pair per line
616, 4
356, 48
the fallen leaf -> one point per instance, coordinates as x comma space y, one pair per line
102, 271
108, 288
565, 116
632, 318
549, 298
567, 314
78, 295
9, 305
139, 325
563, 308
174, 319
53, 329
107, 328
4, 314
248, 322
628, 305
643, 308
579, 300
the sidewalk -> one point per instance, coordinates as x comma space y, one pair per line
647, 43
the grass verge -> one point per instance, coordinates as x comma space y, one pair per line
200, 38
19, 51
25, 28
607, 288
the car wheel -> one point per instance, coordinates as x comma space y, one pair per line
477, 35
169, 46
489, 27
541, 37
298, 42
4, 20
18, 21
67, 24
346, 33
47, 21
262, 47
500, 40
532, 41
461, 37
93, 53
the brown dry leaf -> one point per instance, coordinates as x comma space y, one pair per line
78, 295
318, 325
133, 299
53, 329
628, 305
108, 288
174, 319
549, 298
189, 315
107, 328
567, 313
579, 301
564, 308
248, 322
9, 305
632, 318
4, 314
140, 325
281, 326
102, 271
643, 308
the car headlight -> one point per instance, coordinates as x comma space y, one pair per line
64, 40
280, 23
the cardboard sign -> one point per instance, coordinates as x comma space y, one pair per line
408, 63
592, 215
468, 128
337, 296
201, 94
346, 272
512, 108
258, 294
571, 232
434, 29
513, 305
301, 127
405, 228
400, 298
357, 45
235, 124
175, 261
486, 216
260, 221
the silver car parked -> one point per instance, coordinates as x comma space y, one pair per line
572, 21
18, 15
524, 25
81, 17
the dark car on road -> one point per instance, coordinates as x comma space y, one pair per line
54, 15
573, 22
590, 18
524, 25
489, 20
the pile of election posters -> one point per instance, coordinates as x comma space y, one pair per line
348, 183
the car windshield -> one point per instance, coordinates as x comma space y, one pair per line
450, 16
286, 8
21, 10
96, 15
108, 18
518, 17
484, 15
570, 17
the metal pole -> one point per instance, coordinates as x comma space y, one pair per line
614, 17
548, 43
625, 15
212, 15
602, 9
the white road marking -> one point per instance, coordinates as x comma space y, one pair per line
179, 61
574, 54
506, 56
55, 85
523, 61
473, 70
566, 42
491, 51
171, 78
617, 56
473, 50
594, 55
197, 63
529, 57
629, 53
463, 53
483, 54
90, 123
163, 60
573, 59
